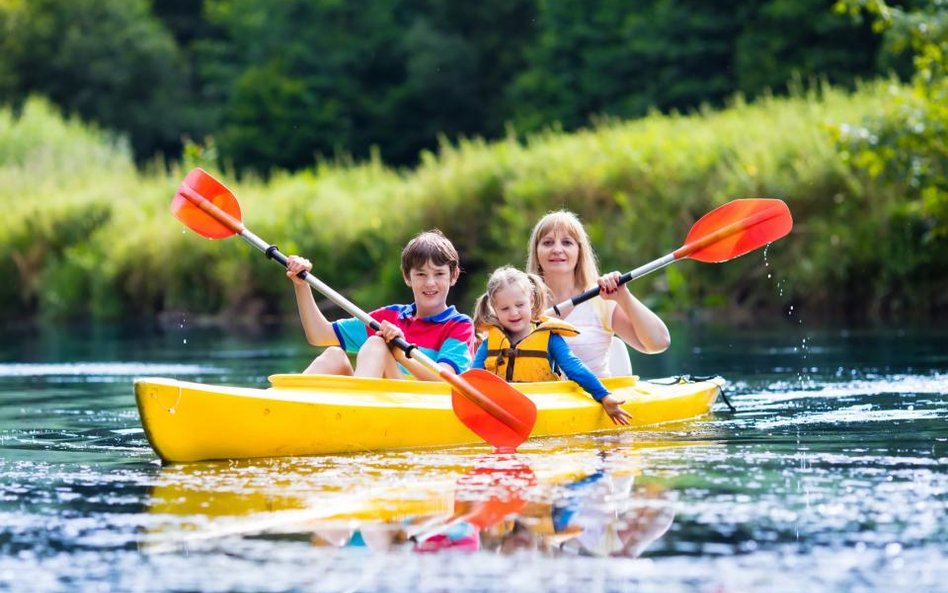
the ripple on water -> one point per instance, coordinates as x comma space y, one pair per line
102, 371
251, 566
832, 483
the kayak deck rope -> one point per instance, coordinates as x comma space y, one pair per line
697, 379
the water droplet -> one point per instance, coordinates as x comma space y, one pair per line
184, 341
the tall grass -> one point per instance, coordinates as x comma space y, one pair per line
85, 233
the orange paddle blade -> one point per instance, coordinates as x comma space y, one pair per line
205, 206
492, 491
502, 435
736, 228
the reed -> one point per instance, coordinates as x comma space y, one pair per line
85, 233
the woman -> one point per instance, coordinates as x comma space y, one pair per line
561, 254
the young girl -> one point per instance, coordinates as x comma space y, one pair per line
522, 345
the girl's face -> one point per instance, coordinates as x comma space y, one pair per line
513, 306
557, 252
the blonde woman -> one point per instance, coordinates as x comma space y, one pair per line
561, 254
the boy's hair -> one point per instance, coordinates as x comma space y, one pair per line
430, 246
503, 277
586, 271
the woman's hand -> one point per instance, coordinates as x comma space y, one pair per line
609, 287
611, 405
296, 264
389, 331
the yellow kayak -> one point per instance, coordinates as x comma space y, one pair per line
325, 414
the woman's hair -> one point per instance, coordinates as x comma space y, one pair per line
586, 271
505, 276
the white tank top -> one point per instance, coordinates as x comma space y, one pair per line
593, 319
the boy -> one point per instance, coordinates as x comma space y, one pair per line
430, 267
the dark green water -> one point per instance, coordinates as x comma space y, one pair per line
831, 476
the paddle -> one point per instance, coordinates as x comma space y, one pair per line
208, 208
728, 231
491, 491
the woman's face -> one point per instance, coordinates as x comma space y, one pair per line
557, 252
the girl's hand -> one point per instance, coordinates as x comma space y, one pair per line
611, 405
389, 331
296, 264
609, 286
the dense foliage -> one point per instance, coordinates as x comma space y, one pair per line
279, 84
262, 88
901, 152
95, 237
109, 61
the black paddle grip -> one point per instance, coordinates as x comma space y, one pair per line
273, 252
400, 343
594, 292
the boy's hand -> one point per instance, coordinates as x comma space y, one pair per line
389, 331
296, 264
617, 414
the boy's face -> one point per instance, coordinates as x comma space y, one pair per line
430, 284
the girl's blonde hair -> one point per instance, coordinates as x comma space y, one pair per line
505, 276
586, 271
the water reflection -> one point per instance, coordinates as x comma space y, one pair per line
833, 484
598, 513
584, 502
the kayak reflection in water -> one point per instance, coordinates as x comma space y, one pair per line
494, 490
600, 514
485, 495
496, 510
603, 515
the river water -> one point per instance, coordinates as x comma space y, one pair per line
832, 475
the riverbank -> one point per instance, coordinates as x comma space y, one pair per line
87, 235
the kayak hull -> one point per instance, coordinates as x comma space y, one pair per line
322, 414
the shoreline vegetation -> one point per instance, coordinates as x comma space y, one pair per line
88, 235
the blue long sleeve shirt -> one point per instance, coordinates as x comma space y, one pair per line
560, 355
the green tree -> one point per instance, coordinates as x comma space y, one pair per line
907, 147
902, 153
109, 61
496, 35
299, 79
345, 77
622, 58
783, 39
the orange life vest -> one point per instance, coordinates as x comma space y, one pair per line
529, 359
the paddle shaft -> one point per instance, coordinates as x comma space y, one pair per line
562, 309
410, 350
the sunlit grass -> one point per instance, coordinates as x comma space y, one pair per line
85, 232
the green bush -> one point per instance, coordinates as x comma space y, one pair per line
86, 234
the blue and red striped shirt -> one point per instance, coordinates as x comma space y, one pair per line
446, 337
